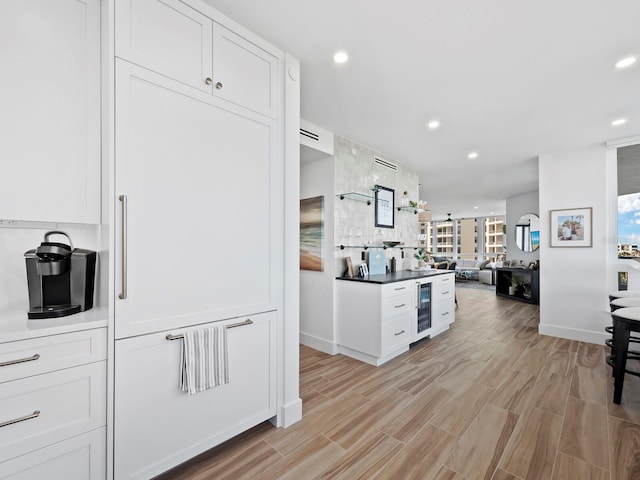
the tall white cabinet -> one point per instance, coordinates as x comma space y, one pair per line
198, 201
170, 133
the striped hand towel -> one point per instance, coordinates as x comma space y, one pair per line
204, 359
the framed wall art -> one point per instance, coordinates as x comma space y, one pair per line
385, 205
311, 233
571, 227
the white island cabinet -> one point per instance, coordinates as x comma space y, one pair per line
377, 318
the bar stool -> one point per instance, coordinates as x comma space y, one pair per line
625, 321
615, 305
624, 294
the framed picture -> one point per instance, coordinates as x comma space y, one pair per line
311, 233
385, 205
571, 227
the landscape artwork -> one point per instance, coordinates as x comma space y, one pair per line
311, 233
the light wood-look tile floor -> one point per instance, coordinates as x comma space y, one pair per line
490, 399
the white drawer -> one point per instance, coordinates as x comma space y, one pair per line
61, 404
398, 288
395, 305
396, 333
444, 292
79, 458
443, 312
444, 280
55, 352
157, 426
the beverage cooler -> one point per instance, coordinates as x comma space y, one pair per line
424, 308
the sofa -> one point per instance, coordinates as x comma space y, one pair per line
470, 270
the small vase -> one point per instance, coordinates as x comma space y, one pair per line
421, 263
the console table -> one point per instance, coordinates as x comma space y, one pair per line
518, 283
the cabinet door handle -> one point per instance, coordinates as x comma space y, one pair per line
445, 293
400, 306
20, 360
398, 289
418, 295
445, 314
123, 204
219, 85
399, 333
21, 419
208, 81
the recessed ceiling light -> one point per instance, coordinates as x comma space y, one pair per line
433, 124
491, 213
475, 208
473, 155
618, 122
626, 62
340, 57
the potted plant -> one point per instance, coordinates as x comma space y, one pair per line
423, 256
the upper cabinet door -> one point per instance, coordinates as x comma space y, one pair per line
175, 40
168, 37
50, 115
243, 73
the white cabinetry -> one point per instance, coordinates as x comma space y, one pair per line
374, 321
50, 116
157, 426
443, 301
53, 406
199, 226
178, 41
197, 179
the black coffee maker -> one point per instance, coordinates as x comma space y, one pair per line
60, 278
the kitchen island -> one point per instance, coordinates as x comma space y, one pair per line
379, 316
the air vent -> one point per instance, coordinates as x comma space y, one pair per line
308, 134
385, 163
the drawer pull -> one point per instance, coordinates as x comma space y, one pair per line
445, 293
231, 325
399, 333
445, 313
400, 306
398, 289
20, 360
21, 419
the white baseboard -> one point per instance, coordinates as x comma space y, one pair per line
318, 343
289, 414
573, 334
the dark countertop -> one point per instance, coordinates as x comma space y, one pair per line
396, 276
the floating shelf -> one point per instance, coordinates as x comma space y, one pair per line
412, 209
359, 197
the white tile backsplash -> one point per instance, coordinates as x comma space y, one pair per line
354, 220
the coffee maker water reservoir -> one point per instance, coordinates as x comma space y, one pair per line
60, 278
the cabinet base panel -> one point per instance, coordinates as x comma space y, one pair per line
370, 359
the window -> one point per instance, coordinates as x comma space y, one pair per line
629, 202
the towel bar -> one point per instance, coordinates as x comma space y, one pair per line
231, 325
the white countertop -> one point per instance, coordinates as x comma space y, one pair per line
14, 324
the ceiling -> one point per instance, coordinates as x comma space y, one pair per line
509, 79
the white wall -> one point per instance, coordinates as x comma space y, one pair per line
317, 328
574, 281
516, 207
